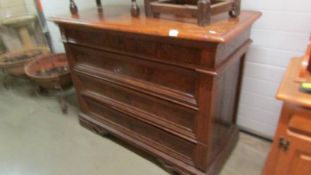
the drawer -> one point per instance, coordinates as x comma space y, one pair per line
141, 46
147, 108
174, 78
300, 122
147, 134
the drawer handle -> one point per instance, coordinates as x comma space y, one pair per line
284, 144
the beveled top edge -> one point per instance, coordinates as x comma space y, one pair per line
118, 18
289, 88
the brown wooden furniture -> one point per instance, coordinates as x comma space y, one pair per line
73, 7
99, 4
169, 88
135, 9
200, 9
305, 71
291, 149
203, 10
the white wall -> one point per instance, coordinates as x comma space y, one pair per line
30, 6
58, 7
281, 33
10, 8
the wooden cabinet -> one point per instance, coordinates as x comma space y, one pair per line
291, 149
173, 96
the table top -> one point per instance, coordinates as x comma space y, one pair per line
289, 88
118, 18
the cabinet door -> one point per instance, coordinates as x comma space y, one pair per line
295, 148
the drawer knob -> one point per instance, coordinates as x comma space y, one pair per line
284, 144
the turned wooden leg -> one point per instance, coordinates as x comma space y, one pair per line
62, 101
73, 8
236, 8
148, 10
99, 3
204, 12
100, 10
100, 13
134, 9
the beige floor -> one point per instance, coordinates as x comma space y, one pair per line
37, 139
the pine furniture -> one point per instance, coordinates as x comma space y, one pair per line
291, 150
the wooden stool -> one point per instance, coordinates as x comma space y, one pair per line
200, 9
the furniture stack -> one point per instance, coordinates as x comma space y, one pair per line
202, 10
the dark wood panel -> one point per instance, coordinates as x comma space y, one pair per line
224, 50
161, 112
149, 47
141, 86
169, 143
225, 96
172, 77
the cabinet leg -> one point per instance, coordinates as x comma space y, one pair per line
204, 12
236, 9
62, 101
99, 3
73, 8
134, 9
148, 10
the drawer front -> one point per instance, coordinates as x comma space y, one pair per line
134, 45
300, 121
161, 112
148, 134
171, 77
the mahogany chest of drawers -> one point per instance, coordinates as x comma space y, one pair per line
169, 88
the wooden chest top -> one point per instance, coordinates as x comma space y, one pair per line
289, 89
118, 18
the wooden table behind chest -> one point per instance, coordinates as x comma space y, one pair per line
173, 97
